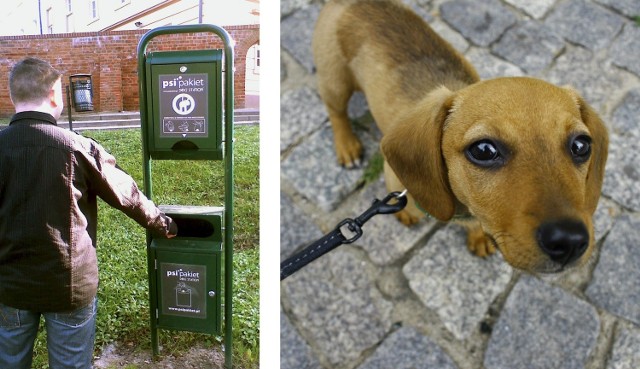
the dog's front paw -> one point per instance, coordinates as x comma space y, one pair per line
478, 243
407, 218
348, 150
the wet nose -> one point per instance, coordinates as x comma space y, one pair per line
564, 241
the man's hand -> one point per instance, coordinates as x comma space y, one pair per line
173, 229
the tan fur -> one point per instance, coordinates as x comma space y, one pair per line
430, 105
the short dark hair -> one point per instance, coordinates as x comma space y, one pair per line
30, 80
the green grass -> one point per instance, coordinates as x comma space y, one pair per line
123, 315
374, 168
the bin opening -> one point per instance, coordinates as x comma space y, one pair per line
184, 145
189, 227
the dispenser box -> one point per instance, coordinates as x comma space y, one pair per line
184, 104
186, 289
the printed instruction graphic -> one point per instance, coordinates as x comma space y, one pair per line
183, 295
183, 290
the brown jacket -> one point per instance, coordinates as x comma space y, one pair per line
49, 180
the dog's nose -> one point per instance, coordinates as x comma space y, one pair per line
564, 241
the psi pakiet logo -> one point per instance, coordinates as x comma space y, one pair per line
183, 274
194, 84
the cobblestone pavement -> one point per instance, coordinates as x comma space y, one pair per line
415, 298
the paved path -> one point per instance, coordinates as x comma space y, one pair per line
415, 298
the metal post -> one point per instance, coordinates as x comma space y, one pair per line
69, 107
228, 247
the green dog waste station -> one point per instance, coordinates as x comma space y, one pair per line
182, 116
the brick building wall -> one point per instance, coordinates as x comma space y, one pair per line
111, 58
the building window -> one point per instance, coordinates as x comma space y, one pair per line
93, 7
122, 3
70, 27
49, 21
69, 19
253, 59
257, 59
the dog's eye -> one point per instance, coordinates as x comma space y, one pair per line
580, 148
484, 153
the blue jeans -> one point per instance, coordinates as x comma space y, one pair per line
70, 337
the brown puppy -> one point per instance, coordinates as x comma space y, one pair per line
522, 159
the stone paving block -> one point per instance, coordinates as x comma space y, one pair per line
336, 304
536, 9
283, 70
289, 6
457, 285
294, 351
301, 112
489, 66
625, 350
393, 284
313, 170
385, 239
578, 68
529, 45
630, 8
542, 327
358, 105
296, 32
480, 21
296, 228
626, 48
622, 173
419, 9
604, 217
625, 119
406, 348
614, 286
585, 23
451, 36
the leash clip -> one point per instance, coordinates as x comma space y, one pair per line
353, 227
384, 206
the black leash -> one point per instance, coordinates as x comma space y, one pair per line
336, 238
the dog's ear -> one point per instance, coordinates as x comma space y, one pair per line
599, 149
413, 149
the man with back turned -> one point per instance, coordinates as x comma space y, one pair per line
50, 179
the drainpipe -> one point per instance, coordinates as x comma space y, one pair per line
40, 14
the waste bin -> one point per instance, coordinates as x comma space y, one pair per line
82, 91
186, 285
